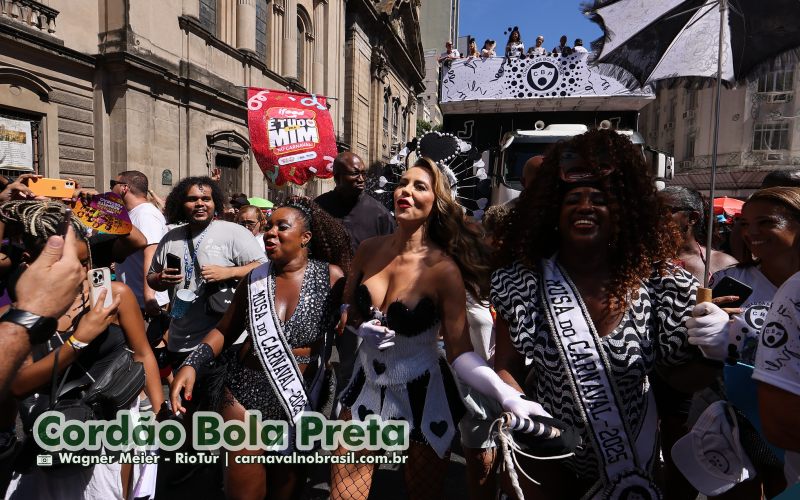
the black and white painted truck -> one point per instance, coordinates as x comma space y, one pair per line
513, 109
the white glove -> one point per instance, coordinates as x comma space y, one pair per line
708, 330
474, 371
376, 335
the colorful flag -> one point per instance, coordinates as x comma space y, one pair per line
104, 213
291, 135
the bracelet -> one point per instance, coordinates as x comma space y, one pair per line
343, 308
75, 343
200, 357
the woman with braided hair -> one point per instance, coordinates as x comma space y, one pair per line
87, 337
290, 303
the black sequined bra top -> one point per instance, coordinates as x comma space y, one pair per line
399, 317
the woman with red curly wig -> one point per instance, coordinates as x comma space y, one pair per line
587, 305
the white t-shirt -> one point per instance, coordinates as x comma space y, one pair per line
260, 240
754, 309
223, 244
515, 49
149, 220
580, 48
778, 356
451, 54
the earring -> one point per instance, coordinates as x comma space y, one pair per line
302, 245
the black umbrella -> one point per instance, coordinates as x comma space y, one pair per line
696, 39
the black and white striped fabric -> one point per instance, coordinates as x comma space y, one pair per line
651, 333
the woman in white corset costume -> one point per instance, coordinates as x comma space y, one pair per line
404, 290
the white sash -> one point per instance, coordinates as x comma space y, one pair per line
623, 457
270, 344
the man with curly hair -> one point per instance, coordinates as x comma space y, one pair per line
220, 252
588, 304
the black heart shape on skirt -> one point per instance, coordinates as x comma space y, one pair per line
363, 412
439, 428
378, 366
437, 146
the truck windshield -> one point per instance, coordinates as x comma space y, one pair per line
514, 159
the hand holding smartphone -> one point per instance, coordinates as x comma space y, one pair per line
732, 287
100, 279
52, 188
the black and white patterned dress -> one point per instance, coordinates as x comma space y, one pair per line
651, 333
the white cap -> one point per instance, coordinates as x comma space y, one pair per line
711, 456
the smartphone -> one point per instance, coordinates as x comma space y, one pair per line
52, 188
732, 286
99, 280
173, 261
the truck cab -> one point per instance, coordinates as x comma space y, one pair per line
517, 147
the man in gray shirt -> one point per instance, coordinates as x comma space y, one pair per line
223, 251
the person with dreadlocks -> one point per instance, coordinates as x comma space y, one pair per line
587, 295
404, 291
87, 337
292, 304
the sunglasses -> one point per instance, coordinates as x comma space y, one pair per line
114, 183
249, 224
573, 168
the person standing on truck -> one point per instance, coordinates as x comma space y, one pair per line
539, 49
515, 47
563, 49
579, 48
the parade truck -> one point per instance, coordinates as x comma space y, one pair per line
511, 109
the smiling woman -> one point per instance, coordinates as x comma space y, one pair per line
587, 293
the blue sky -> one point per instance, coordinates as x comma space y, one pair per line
552, 18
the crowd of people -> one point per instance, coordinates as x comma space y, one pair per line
515, 48
572, 311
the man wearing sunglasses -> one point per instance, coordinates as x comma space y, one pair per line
132, 187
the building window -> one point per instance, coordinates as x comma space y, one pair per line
691, 100
404, 130
208, 15
305, 47
771, 136
776, 81
261, 30
301, 49
386, 112
689, 149
671, 111
395, 120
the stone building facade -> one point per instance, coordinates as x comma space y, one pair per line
759, 131
160, 86
384, 71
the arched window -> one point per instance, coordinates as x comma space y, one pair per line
305, 47
301, 49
